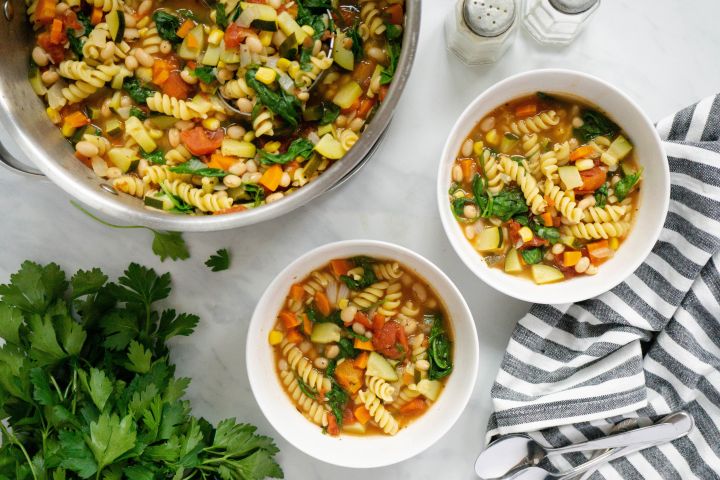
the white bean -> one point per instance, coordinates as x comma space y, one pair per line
40, 57
87, 149
188, 77
321, 362
165, 47
348, 313
592, 270
470, 211
113, 172
470, 232
183, 125
577, 122
274, 197
305, 346
237, 168
235, 132
285, 179
376, 53
457, 173
420, 291
283, 365
49, 77
144, 8
251, 166
131, 63
108, 51
358, 328
232, 181
422, 365
558, 248
357, 124
174, 137
582, 265
467, 148
245, 105
99, 166
254, 44
487, 124
145, 59
332, 351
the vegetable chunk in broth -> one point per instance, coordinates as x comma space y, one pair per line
546, 186
362, 346
199, 109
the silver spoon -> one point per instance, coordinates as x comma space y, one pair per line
512, 455
230, 105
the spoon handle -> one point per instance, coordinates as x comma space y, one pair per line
668, 429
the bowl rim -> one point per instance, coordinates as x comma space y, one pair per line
534, 293
463, 387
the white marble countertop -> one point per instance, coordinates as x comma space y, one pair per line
662, 53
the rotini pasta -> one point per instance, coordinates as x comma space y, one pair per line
180, 109
206, 202
581, 204
304, 369
391, 302
312, 409
131, 185
157, 174
383, 390
372, 22
382, 417
538, 123
263, 123
370, 296
388, 271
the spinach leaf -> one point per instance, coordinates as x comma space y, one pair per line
458, 209
337, 398
188, 14
196, 167
300, 147
157, 157
368, 277
439, 349
332, 365
532, 255
601, 195
137, 91
626, 184
85, 22
305, 62
204, 74
353, 34
220, 16
285, 105
305, 388
347, 350
393, 52
167, 26
255, 192
76, 43
507, 203
594, 125
329, 113
546, 97
179, 205
550, 234
392, 31
305, 15
362, 338
318, 4
137, 112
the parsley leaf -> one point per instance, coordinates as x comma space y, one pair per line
85, 22
167, 26
255, 192
204, 74
197, 167
137, 112
601, 195
220, 261
392, 31
300, 147
169, 245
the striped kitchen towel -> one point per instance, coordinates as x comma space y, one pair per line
647, 347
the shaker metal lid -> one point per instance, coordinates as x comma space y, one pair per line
573, 6
489, 18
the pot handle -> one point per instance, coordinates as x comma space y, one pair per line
13, 164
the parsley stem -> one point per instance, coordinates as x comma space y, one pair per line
100, 220
14, 440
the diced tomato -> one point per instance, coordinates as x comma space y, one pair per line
202, 142
332, 427
70, 20
394, 14
383, 92
347, 14
363, 72
391, 340
366, 105
592, 180
233, 209
362, 319
175, 86
56, 52
235, 35
348, 415
513, 229
255, 1
378, 321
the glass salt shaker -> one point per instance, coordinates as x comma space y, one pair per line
479, 31
558, 22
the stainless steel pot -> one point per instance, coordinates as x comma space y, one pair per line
22, 114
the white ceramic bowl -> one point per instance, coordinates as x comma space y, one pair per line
654, 190
349, 450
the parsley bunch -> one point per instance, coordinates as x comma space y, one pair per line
87, 389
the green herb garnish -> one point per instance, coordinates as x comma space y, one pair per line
300, 147
197, 167
532, 255
157, 156
285, 105
137, 112
594, 125
204, 74
601, 195
439, 349
167, 26
337, 398
220, 16
626, 184
368, 277
219, 261
137, 91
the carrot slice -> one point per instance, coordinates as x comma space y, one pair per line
332, 427
76, 120
571, 258
297, 292
96, 16
340, 267
323, 304
413, 407
547, 219
526, 110
271, 178
361, 414
185, 28
56, 31
581, 152
364, 345
361, 360
289, 319
293, 336
599, 249
45, 11
467, 165
307, 325
366, 106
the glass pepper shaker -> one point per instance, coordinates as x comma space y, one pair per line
479, 31
558, 22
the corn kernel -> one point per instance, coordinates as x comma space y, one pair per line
266, 38
568, 240
54, 115
265, 75
478, 147
275, 337
249, 136
294, 69
614, 243
308, 29
155, 133
272, 147
283, 64
211, 123
143, 23
67, 130
492, 137
216, 36
585, 164
526, 234
342, 303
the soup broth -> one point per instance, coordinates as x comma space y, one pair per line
546, 187
363, 346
